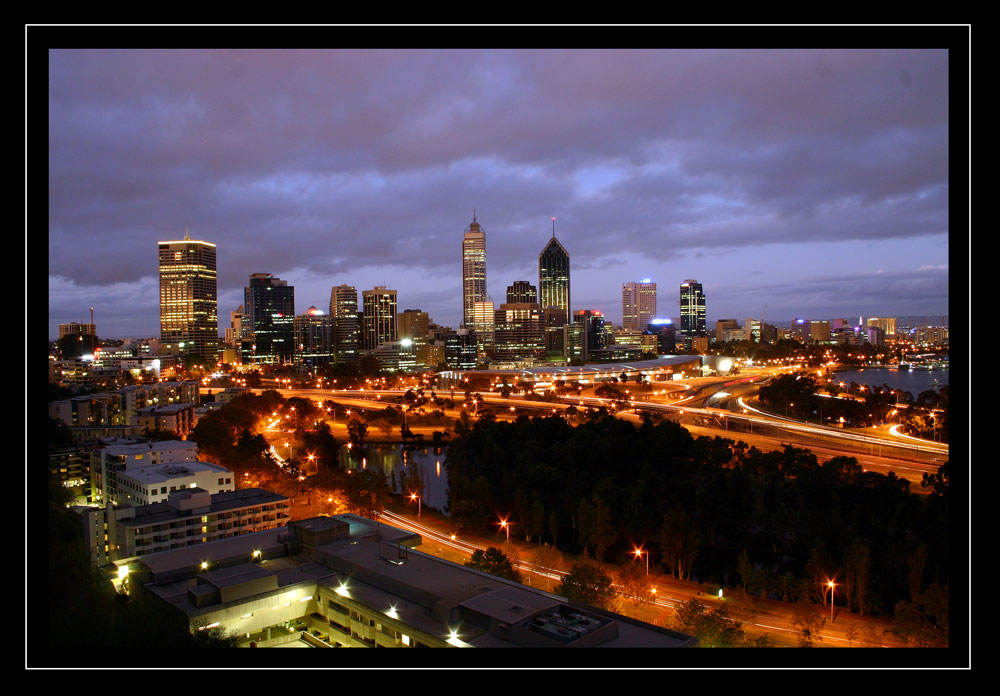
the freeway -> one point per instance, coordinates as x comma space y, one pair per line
774, 618
725, 413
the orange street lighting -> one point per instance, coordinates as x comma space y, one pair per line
503, 523
830, 584
639, 552
414, 496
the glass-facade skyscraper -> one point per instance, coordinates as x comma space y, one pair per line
553, 277
269, 303
189, 312
692, 304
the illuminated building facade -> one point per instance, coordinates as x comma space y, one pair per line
345, 581
594, 330
553, 276
189, 319
346, 323
692, 305
519, 334
313, 339
415, 325
638, 304
270, 308
473, 271
378, 318
522, 292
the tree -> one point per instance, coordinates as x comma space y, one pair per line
357, 431
495, 562
924, 621
634, 584
594, 525
678, 542
808, 619
367, 493
713, 629
548, 556
588, 583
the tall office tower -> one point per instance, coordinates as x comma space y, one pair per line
473, 270
724, 325
638, 304
313, 339
692, 309
553, 275
553, 320
189, 315
415, 325
460, 351
482, 324
346, 323
666, 335
595, 334
518, 332
522, 292
270, 308
378, 321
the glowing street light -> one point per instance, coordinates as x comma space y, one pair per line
414, 496
503, 523
639, 552
831, 584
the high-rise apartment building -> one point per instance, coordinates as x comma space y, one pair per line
346, 323
473, 270
638, 304
692, 305
553, 276
378, 318
189, 316
270, 308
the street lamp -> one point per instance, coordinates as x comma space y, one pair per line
503, 523
414, 496
830, 584
639, 552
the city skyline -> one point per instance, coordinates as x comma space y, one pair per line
814, 181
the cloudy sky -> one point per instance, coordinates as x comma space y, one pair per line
812, 181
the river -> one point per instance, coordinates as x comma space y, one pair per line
913, 381
395, 459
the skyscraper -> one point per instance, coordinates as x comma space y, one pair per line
269, 303
522, 292
313, 339
415, 325
553, 275
346, 324
473, 270
638, 304
692, 305
189, 318
378, 318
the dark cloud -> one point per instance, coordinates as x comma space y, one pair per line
329, 160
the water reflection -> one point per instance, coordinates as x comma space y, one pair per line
405, 466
